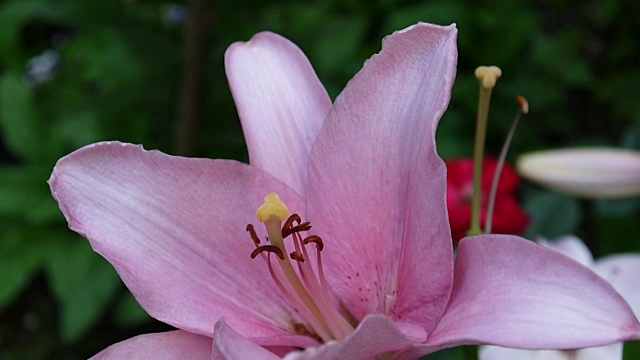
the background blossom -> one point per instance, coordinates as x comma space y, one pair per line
509, 216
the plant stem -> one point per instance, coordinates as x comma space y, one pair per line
192, 87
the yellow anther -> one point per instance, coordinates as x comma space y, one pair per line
273, 207
488, 75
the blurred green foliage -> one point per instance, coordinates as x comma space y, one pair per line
73, 72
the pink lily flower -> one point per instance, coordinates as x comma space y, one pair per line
620, 270
375, 273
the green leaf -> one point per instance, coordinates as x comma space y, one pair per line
22, 128
632, 350
618, 207
83, 282
21, 252
24, 194
552, 214
618, 234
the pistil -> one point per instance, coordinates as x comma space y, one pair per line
487, 77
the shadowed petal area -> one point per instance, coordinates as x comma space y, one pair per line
281, 104
229, 345
174, 229
376, 190
160, 346
514, 293
375, 335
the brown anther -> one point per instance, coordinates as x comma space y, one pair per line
314, 239
288, 228
269, 248
296, 256
253, 234
524, 105
306, 226
293, 218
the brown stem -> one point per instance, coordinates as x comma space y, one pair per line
192, 87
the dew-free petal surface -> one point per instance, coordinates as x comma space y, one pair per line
514, 293
174, 229
375, 335
229, 345
376, 191
281, 104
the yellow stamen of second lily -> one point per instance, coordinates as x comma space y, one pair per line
487, 77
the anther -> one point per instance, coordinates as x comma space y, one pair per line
305, 226
288, 228
524, 105
314, 239
253, 234
293, 218
269, 248
296, 256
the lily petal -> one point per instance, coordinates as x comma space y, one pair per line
500, 353
229, 345
160, 346
608, 352
572, 247
375, 335
622, 271
377, 186
514, 293
174, 229
587, 172
281, 104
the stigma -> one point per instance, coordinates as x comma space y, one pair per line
302, 285
488, 75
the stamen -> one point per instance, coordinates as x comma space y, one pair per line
314, 239
296, 256
305, 289
288, 292
270, 248
253, 234
524, 108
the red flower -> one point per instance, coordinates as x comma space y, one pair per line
508, 216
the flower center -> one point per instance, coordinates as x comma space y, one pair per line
305, 289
